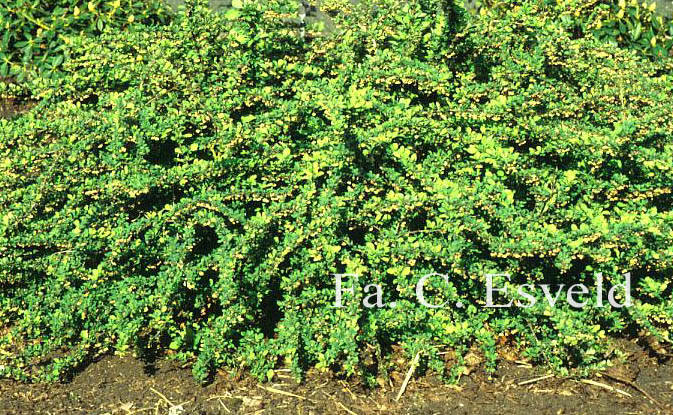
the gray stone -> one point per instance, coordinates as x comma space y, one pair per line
217, 5
309, 16
664, 8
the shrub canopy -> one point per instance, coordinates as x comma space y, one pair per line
192, 188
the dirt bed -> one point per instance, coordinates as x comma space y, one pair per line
116, 385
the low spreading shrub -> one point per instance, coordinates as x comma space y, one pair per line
191, 189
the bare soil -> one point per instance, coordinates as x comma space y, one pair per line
124, 386
12, 107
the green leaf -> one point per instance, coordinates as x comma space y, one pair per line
232, 14
175, 344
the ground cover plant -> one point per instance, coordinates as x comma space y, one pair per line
191, 189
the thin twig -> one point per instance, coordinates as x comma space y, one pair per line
228, 395
162, 396
350, 392
607, 387
634, 386
345, 409
529, 381
282, 392
223, 405
410, 372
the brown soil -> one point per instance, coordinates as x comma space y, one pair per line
126, 386
11, 107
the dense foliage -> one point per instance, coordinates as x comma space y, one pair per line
646, 27
631, 24
193, 187
35, 34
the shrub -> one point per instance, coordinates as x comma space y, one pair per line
630, 24
191, 189
646, 27
35, 34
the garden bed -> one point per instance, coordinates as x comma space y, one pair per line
124, 386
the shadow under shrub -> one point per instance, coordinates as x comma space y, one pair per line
402, 145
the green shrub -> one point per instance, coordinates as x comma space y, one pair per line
194, 187
35, 34
646, 27
630, 24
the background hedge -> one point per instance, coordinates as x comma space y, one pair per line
192, 187
36, 33
643, 26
